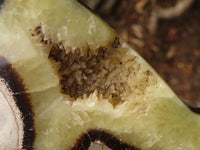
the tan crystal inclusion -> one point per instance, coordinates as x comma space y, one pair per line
106, 70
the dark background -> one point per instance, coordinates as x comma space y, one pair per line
1, 1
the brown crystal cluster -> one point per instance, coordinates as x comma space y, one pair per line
101, 70
81, 75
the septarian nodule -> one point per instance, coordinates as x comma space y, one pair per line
82, 79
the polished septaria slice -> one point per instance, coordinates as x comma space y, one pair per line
81, 85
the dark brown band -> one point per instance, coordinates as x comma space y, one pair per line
15, 85
83, 143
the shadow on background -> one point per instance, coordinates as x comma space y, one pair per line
1, 2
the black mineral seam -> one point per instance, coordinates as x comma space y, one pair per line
83, 143
193, 108
15, 85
